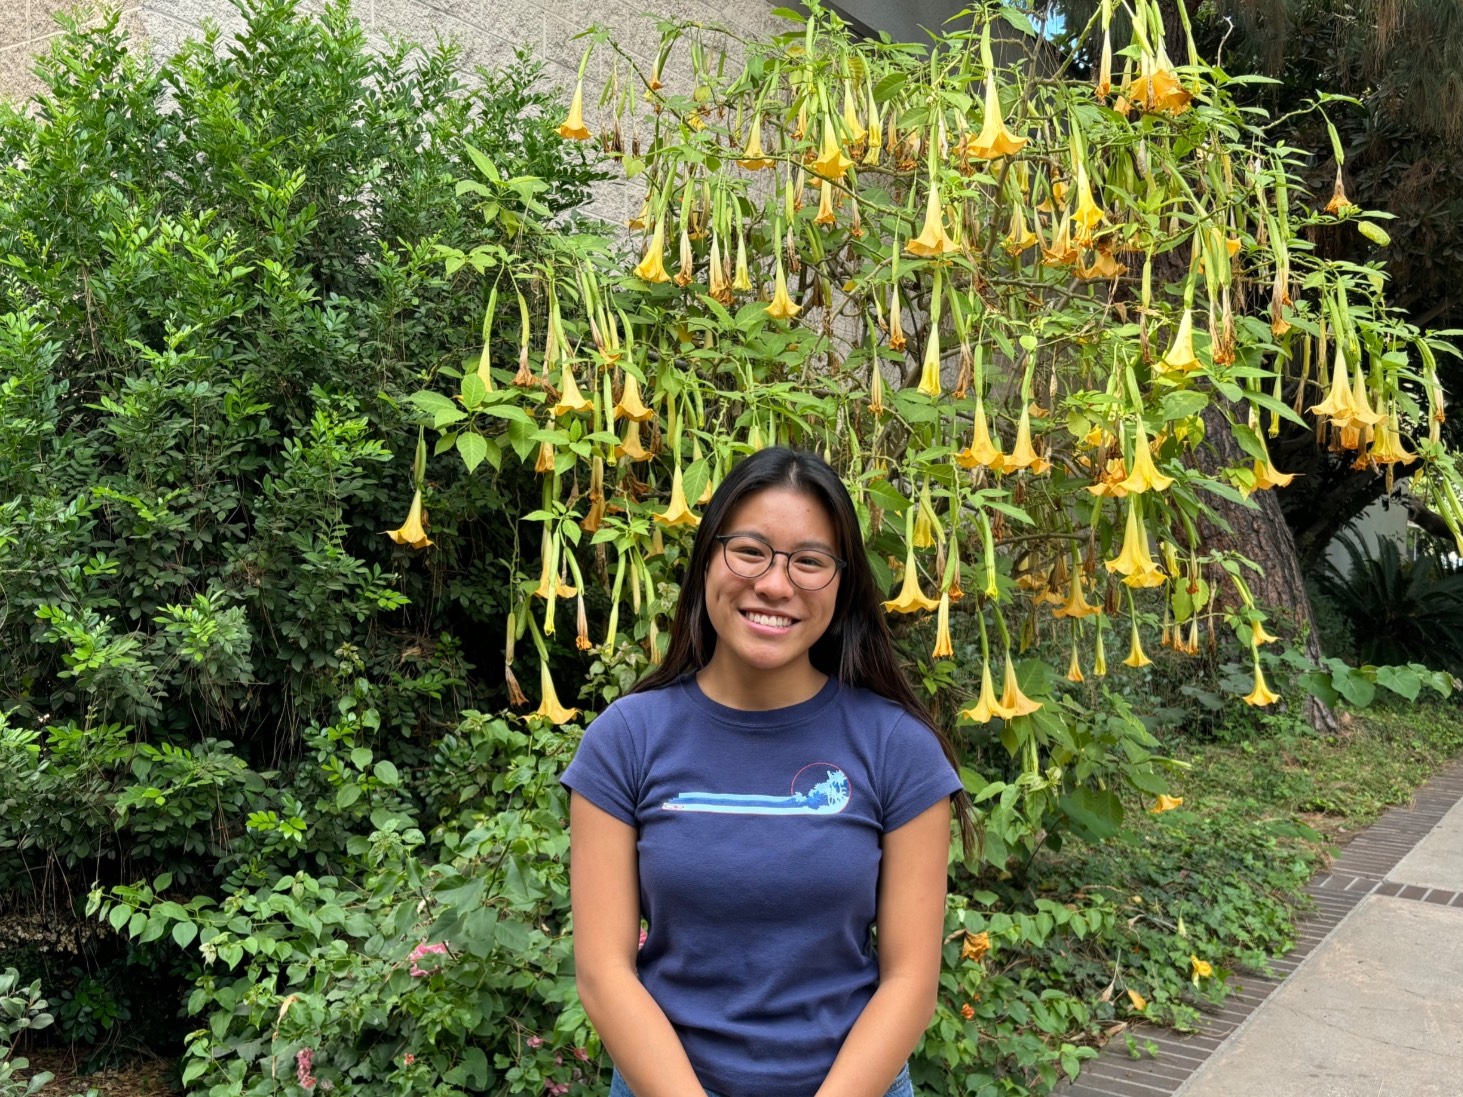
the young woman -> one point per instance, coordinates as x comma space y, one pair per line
764, 799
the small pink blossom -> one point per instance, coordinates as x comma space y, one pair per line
408, 1059
581, 1055
422, 950
535, 1041
556, 1089
304, 1062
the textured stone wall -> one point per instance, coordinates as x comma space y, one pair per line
25, 26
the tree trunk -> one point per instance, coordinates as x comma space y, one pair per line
1261, 534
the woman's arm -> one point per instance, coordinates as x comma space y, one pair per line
911, 921
604, 889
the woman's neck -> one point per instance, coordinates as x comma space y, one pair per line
759, 692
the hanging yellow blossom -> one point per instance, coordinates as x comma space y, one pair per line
1110, 479
1088, 216
1013, 702
1258, 635
630, 405
1136, 658
1023, 455
985, 708
1134, 562
933, 241
1338, 404
782, 307
897, 338
984, 450
1387, 447
1018, 237
741, 280
1063, 252
573, 127
412, 532
1261, 695
943, 649
1099, 658
652, 267
1074, 667
1165, 803
1104, 268
721, 289
929, 374
1076, 605
910, 598
630, 446
550, 708
754, 159
677, 513
856, 131
994, 139
571, 399
686, 270
1181, 354
1145, 475
831, 163
825, 205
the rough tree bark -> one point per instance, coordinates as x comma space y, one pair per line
1261, 534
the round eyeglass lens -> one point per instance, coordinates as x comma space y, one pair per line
750, 557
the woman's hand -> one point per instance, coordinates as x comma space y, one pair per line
604, 889
911, 924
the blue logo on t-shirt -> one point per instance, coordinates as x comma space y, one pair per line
820, 788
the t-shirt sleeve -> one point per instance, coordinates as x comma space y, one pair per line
606, 769
916, 773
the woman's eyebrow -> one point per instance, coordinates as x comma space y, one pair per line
814, 544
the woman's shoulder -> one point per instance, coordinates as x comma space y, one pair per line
885, 713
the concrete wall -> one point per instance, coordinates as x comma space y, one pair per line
25, 27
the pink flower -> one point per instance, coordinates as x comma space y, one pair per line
643, 935
304, 1061
422, 950
581, 1055
535, 1041
408, 1059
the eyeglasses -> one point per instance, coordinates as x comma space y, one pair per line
751, 557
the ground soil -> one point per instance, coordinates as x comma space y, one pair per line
140, 1077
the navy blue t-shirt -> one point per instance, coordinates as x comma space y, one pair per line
759, 840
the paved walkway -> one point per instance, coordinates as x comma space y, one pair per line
1368, 1004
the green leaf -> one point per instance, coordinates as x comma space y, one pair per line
1183, 404
1095, 814
438, 408
484, 165
386, 774
473, 448
1400, 680
361, 757
184, 933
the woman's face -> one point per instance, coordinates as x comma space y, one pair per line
766, 625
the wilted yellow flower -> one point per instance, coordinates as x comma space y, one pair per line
571, 399
550, 708
933, 241
1339, 203
943, 649
630, 405
1136, 658
754, 159
412, 532
1261, 695
687, 266
994, 139
1062, 252
1145, 475
652, 267
1013, 702
1181, 354
975, 946
831, 163
573, 127
910, 598
1165, 803
985, 708
782, 307
1203, 969
1139, 1002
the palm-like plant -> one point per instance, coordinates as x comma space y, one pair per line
1400, 610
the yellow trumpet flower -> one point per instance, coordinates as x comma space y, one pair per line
1134, 561
1268, 476
825, 205
1104, 267
1110, 479
897, 339
1387, 447
1023, 455
641, 219
929, 374
1088, 215
550, 708
831, 163
1019, 237
985, 708
933, 241
412, 532
687, 266
1261, 695
876, 389
652, 267
943, 649
720, 288
1062, 253
1203, 969
1362, 415
677, 513
1145, 475
754, 159
1258, 635
1076, 605
1135, 658
630, 405
1074, 668
741, 281
571, 399
573, 127
1181, 354
1339, 203
1338, 404
630, 446
1013, 702
1165, 803
875, 134
910, 598
782, 307
983, 449
1104, 65
856, 131
994, 139
1099, 658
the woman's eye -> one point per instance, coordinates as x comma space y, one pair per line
811, 563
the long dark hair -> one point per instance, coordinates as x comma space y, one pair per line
856, 648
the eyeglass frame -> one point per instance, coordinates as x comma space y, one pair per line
723, 538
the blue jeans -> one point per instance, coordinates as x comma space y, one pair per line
900, 1088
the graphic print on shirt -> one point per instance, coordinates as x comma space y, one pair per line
819, 788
